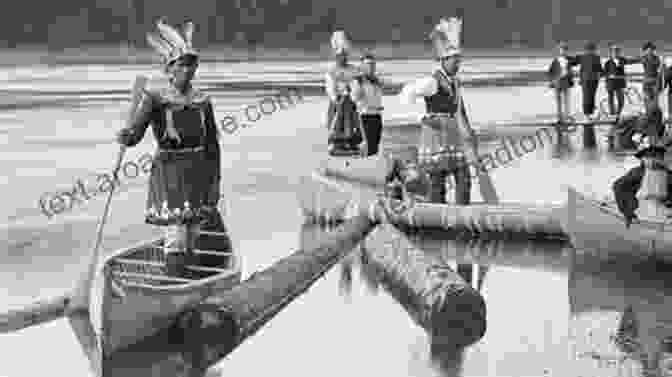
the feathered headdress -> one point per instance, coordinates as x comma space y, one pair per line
446, 37
169, 43
340, 42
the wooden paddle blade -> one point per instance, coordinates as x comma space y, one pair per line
81, 326
36, 313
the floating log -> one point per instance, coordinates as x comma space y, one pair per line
240, 312
329, 200
436, 297
36, 313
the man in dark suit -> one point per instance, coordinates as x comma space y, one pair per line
614, 70
561, 79
591, 72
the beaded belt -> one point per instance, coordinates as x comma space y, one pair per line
183, 150
451, 151
439, 115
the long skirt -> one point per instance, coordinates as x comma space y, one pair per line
343, 122
180, 189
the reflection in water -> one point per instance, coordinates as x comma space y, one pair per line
621, 316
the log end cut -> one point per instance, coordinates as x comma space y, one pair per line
458, 317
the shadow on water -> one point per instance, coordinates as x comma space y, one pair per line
621, 316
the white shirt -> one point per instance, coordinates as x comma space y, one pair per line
424, 87
563, 65
368, 97
338, 80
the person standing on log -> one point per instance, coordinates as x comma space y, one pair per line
441, 142
561, 79
590, 74
653, 73
614, 70
342, 117
185, 175
367, 92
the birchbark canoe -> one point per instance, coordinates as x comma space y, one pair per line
599, 227
132, 296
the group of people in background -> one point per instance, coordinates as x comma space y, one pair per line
657, 77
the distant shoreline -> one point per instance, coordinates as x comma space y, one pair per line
121, 54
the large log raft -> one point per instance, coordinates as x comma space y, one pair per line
437, 298
326, 199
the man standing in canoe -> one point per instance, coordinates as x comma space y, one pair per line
184, 181
440, 148
342, 117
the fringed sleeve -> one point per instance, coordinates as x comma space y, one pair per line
137, 123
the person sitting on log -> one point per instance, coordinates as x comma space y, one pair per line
645, 190
342, 117
441, 146
185, 176
632, 131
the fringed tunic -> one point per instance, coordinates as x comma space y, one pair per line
185, 175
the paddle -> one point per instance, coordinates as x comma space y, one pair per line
75, 302
81, 296
485, 184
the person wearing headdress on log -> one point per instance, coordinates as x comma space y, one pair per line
561, 79
645, 189
614, 70
441, 146
342, 118
367, 92
185, 176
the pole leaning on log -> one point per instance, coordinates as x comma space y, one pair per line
240, 312
437, 298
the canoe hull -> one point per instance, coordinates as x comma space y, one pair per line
148, 306
599, 227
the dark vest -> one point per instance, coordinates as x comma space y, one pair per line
651, 66
444, 100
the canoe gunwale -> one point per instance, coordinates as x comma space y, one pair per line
231, 273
